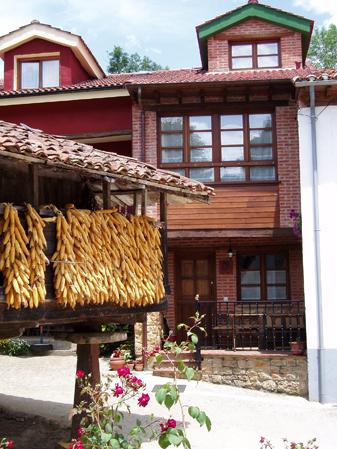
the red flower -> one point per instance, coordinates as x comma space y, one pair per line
80, 432
118, 390
143, 400
10, 444
171, 423
293, 445
79, 445
80, 374
124, 371
262, 440
163, 427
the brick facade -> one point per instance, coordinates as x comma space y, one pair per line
253, 29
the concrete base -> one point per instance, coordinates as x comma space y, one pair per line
326, 390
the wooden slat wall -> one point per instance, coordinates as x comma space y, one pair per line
232, 207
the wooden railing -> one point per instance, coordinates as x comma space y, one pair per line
252, 325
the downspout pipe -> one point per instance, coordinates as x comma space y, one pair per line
319, 314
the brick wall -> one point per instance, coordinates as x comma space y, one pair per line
170, 314
225, 282
288, 162
296, 274
218, 45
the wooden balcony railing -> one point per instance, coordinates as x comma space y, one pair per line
252, 325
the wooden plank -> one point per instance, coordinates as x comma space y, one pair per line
91, 337
34, 184
106, 194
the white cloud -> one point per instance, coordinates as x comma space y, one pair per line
328, 7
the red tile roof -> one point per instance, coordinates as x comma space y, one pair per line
161, 77
317, 75
25, 141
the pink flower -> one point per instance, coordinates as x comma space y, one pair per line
124, 371
262, 440
143, 400
163, 427
293, 445
10, 444
118, 390
79, 445
80, 432
171, 423
80, 374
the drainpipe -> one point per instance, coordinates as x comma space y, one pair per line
142, 125
319, 314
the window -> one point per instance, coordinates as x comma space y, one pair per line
35, 74
258, 55
263, 277
219, 148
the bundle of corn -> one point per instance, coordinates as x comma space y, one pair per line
37, 259
107, 257
14, 260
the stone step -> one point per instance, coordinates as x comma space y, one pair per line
168, 372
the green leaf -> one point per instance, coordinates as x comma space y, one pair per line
108, 428
159, 359
181, 366
194, 338
193, 411
174, 393
186, 443
178, 350
105, 437
174, 437
189, 373
208, 423
191, 346
163, 441
114, 444
161, 394
168, 401
202, 418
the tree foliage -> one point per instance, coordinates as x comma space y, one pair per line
323, 48
122, 62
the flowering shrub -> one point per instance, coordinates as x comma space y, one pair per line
102, 405
6, 444
311, 444
297, 222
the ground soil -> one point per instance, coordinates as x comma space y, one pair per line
29, 432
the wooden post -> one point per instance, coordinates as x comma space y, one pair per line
144, 339
144, 201
163, 219
106, 195
34, 184
87, 361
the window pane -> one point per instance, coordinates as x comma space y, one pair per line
261, 153
200, 122
267, 61
258, 137
171, 123
232, 154
171, 140
260, 121
267, 49
50, 73
201, 154
242, 50
202, 174
179, 171
29, 75
231, 121
231, 137
262, 173
249, 262
242, 63
232, 174
200, 139
276, 277
276, 293
250, 277
276, 262
171, 156
251, 293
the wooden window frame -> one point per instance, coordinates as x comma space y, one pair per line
40, 61
255, 55
263, 275
216, 162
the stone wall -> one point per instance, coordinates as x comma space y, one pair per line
279, 373
154, 332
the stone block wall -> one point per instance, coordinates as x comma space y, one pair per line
154, 331
279, 373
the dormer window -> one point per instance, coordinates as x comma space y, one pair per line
34, 74
256, 55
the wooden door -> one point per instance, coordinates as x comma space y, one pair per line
195, 275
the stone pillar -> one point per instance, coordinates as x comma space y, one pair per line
154, 332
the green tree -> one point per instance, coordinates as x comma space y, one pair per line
323, 48
122, 62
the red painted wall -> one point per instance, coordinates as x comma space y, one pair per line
71, 70
124, 147
73, 117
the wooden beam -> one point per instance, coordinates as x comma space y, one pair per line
34, 184
144, 202
89, 338
163, 219
106, 194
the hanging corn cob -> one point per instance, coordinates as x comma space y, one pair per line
37, 259
14, 260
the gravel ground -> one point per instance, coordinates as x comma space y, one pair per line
44, 386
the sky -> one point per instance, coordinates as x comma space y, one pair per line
164, 30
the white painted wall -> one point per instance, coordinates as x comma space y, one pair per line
327, 235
